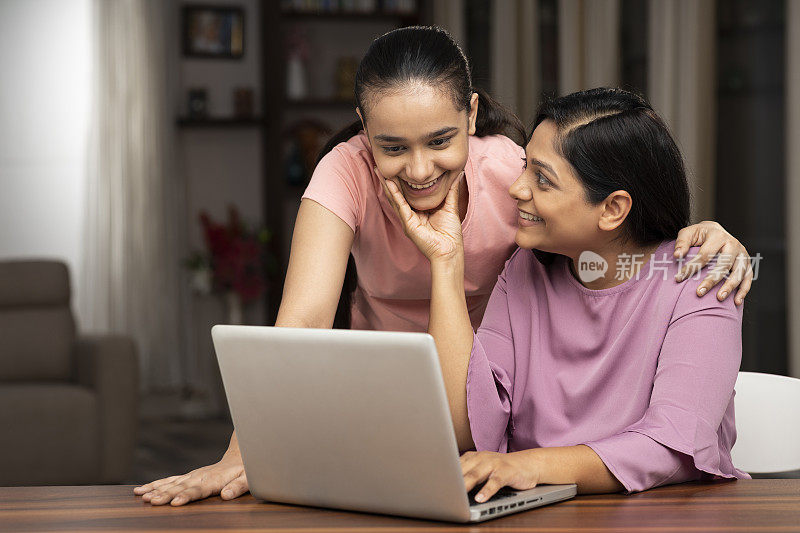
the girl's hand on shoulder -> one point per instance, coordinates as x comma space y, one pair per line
436, 233
497, 470
733, 261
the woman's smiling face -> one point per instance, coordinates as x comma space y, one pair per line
554, 214
419, 137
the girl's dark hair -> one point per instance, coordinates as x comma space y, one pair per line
615, 141
411, 55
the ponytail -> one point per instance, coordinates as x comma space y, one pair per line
496, 119
341, 136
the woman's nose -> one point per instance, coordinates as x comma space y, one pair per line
520, 191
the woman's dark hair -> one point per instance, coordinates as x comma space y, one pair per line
615, 141
411, 55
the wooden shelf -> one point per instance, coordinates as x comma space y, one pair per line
350, 15
219, 122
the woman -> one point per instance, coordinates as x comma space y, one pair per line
609, 381
425, 125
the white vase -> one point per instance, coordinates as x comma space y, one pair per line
296, 85
234, 303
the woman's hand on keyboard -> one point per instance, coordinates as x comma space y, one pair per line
497, 470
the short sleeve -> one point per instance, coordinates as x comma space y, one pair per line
335, 185
691, 405
490, 375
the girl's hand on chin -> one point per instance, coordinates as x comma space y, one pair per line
436, 233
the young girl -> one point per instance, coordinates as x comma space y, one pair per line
422, 123
609, 381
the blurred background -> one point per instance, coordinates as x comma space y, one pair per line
153, 154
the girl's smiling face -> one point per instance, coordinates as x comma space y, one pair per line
554, 214
421, 139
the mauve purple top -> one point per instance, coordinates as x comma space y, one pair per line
643, 373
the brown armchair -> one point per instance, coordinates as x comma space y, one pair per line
68, 404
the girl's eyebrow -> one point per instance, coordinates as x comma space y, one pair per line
437, 133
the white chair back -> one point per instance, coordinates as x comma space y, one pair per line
767, 423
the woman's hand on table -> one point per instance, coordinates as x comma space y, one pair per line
226, 478
733, 261
436, 233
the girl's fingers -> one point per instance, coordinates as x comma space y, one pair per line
190, 494
717, 273
737, 276
451, 201
707, 251
744, 288
235, 488
154, 484
396, 199
687, 237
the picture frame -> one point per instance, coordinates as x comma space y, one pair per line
213, 32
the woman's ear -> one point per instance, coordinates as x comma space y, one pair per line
615, 207
473, 113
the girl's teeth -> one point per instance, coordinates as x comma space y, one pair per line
425, 186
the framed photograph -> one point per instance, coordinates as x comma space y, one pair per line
213, 32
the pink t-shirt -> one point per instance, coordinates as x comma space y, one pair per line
394, 277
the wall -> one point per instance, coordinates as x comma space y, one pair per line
221, 167
45, 58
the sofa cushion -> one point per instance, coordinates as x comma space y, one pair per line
49, 434
36, 324
26, 283
37, 343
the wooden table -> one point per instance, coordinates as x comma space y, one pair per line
747, 505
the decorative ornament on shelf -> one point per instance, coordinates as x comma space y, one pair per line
296, 78
236, 262
243, 102
345, 78
197, 103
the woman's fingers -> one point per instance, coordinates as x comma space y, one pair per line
476, 471
490, 488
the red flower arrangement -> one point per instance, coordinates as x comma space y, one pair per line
236, 256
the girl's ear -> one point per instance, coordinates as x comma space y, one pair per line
363, 124
473, 113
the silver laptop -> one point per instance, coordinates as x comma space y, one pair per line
354, 420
